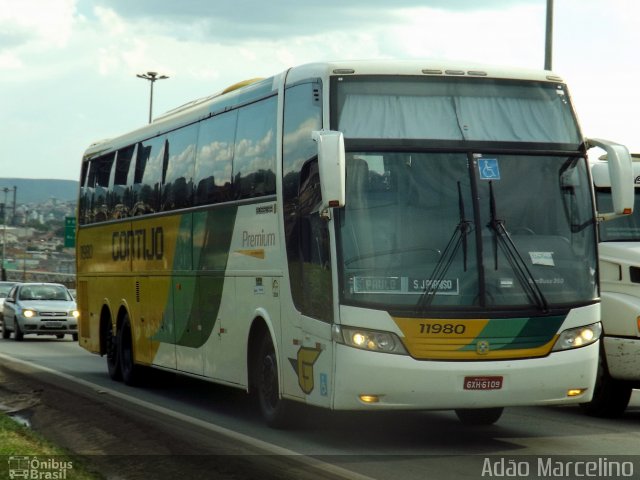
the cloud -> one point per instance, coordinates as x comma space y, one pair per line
9, 61
31, 30
482, 37
245, 20
43, 22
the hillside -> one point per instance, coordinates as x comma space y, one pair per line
39, 190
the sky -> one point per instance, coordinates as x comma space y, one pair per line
68, 67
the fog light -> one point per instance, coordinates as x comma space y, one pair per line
369, 398
575, 392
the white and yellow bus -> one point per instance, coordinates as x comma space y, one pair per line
355, 236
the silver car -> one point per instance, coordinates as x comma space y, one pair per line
40, 309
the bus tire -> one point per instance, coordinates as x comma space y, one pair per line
128, 368
112, 354
610, 396
479, 416
273, 408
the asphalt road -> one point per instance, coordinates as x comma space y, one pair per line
398, 446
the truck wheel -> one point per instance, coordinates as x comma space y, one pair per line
479, 416
610, 396
273, 408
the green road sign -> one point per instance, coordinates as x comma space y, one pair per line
69, 232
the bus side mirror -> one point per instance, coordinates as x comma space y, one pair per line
620, 170
331, 166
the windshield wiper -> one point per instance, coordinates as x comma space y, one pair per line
457, 240
517, 263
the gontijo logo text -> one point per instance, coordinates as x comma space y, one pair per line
143, 243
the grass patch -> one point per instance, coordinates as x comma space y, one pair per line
22, 448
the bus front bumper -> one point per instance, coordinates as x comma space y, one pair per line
376, 381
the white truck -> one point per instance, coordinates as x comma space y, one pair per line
619, 262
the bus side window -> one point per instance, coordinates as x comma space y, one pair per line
254, 158
83, 202
214, 159
310, 200
117, 206
149, 176
177, 188
306, 262
99, 174
134, 179
313, 244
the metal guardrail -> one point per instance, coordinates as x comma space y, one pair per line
68, 279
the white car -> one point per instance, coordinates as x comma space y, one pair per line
40, 309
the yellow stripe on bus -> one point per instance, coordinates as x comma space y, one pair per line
463, 339
258, 253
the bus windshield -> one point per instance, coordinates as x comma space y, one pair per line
425, 230
454, 109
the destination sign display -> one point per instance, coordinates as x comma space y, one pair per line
404, 285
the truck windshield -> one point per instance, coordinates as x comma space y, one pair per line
433, 230
621, 229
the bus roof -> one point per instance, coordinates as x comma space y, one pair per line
417, 67
248, 90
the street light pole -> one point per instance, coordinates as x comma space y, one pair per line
548, 44
152, 77
4, 233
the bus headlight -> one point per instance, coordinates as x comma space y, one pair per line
364, 339
578, 337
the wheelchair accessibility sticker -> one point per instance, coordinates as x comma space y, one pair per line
489, 169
